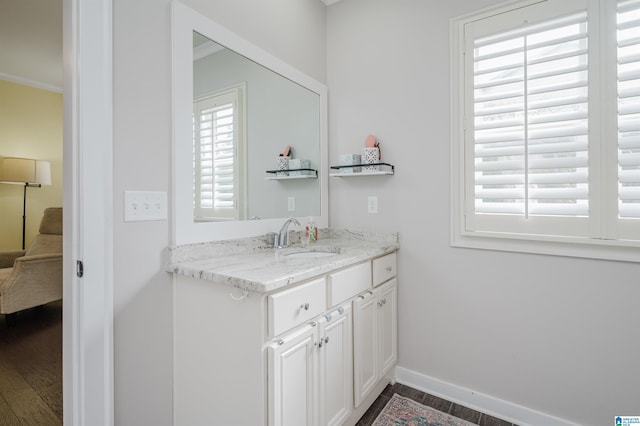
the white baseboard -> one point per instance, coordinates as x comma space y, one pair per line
493, 406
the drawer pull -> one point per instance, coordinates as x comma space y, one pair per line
364, 297
323, 342
389, 268
305, 306
280, 342
382, 302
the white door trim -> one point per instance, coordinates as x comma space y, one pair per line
88, 213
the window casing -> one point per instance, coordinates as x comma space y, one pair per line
546, 128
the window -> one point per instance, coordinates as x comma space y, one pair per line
546, 126
218, 156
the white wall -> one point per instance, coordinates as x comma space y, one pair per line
294, 31
557, 335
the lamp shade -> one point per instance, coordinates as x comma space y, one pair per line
43, 172
25, 170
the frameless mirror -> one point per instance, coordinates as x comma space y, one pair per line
244, 116
235, 109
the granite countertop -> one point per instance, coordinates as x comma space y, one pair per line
253, 264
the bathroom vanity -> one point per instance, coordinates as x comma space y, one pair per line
304, 335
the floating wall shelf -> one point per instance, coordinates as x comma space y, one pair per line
384, 169
310, 174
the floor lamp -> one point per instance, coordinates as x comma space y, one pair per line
27, 172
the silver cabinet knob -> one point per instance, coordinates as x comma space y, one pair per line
389, 268
305, 306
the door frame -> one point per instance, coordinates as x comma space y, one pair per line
88, 213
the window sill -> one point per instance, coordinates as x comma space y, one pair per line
624, 251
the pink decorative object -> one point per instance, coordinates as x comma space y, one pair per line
370, 142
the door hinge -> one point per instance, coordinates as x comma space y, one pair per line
79, 268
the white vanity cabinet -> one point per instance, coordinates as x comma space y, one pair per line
375, 330
287, 357
310, 372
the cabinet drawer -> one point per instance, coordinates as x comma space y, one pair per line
384, 268
289, 308
349, 282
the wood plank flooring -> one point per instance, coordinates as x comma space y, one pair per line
31, 368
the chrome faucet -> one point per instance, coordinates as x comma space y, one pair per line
282, 238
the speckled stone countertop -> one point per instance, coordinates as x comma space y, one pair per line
253, 264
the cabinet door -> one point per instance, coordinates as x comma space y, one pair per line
365, 345
292, 381
387, 326
335, 366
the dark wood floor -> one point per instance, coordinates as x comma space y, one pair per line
31, 367
432, 401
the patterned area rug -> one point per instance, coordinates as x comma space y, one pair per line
401, 411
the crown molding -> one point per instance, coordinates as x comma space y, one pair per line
32, 83
206, 49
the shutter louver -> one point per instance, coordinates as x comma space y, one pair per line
530, 120
222, 158
628, 38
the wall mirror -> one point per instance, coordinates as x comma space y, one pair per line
235, 109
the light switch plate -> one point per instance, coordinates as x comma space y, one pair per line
291, 204
372, 204
145, 205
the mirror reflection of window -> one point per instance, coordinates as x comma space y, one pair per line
218, 150
280, 111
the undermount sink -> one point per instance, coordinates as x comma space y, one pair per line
311, 254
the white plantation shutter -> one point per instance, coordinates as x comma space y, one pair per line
546, 142
628, 38
530, 127
217, 193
